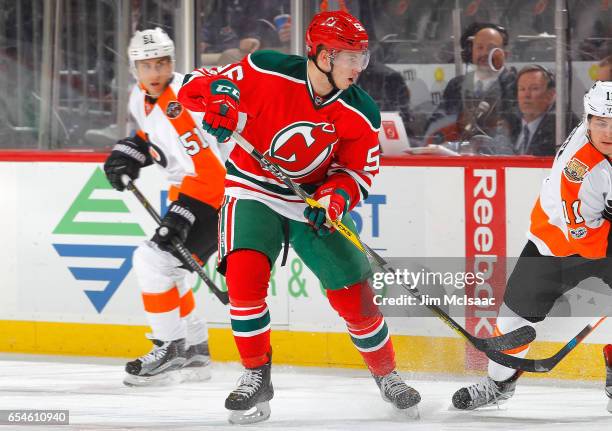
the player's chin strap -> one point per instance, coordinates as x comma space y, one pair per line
329, 76
588, 130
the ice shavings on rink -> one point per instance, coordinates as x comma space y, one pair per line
305, 399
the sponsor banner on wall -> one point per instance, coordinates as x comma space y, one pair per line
485, 251
68, 257
80, 235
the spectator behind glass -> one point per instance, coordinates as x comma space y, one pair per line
236, 28
406, 28
536, 105
274, 24
529, 20
386, 86
482, 101
604, 69
590, 25
226, 27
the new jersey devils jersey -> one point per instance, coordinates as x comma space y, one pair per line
308, 137
567, 217
191, 158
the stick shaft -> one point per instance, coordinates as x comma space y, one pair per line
178, 245
516, 338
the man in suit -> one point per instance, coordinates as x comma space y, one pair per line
536, 104
491, 81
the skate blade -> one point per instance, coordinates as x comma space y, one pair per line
610, 405
411, 413
499, 405
164, 379
196, 374
259, 413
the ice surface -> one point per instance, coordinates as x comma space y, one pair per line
305, 399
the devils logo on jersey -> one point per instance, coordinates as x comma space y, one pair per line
300, 148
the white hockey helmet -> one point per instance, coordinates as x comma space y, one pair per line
150, 43
598, 100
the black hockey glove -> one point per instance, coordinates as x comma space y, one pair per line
176, 224
126, 158
607, 213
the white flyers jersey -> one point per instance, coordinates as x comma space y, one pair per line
192, 160
567, 217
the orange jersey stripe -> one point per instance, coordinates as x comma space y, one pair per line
549, 233
208, 184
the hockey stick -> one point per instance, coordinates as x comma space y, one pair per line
177, 243
547, 364
519, 337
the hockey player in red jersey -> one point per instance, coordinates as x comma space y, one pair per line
570, 240
171, 138
307, 116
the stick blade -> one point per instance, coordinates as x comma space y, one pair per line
519, 337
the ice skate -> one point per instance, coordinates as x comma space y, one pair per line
394, 390
485, 393
197, 363
158, 367
608, 359
248, 403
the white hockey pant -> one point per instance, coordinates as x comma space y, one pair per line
168, 300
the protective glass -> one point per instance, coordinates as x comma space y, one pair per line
351, 59
163, 65
601, 125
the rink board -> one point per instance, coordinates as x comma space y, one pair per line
68, 287
439, 354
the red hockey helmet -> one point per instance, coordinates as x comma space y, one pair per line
336, 30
